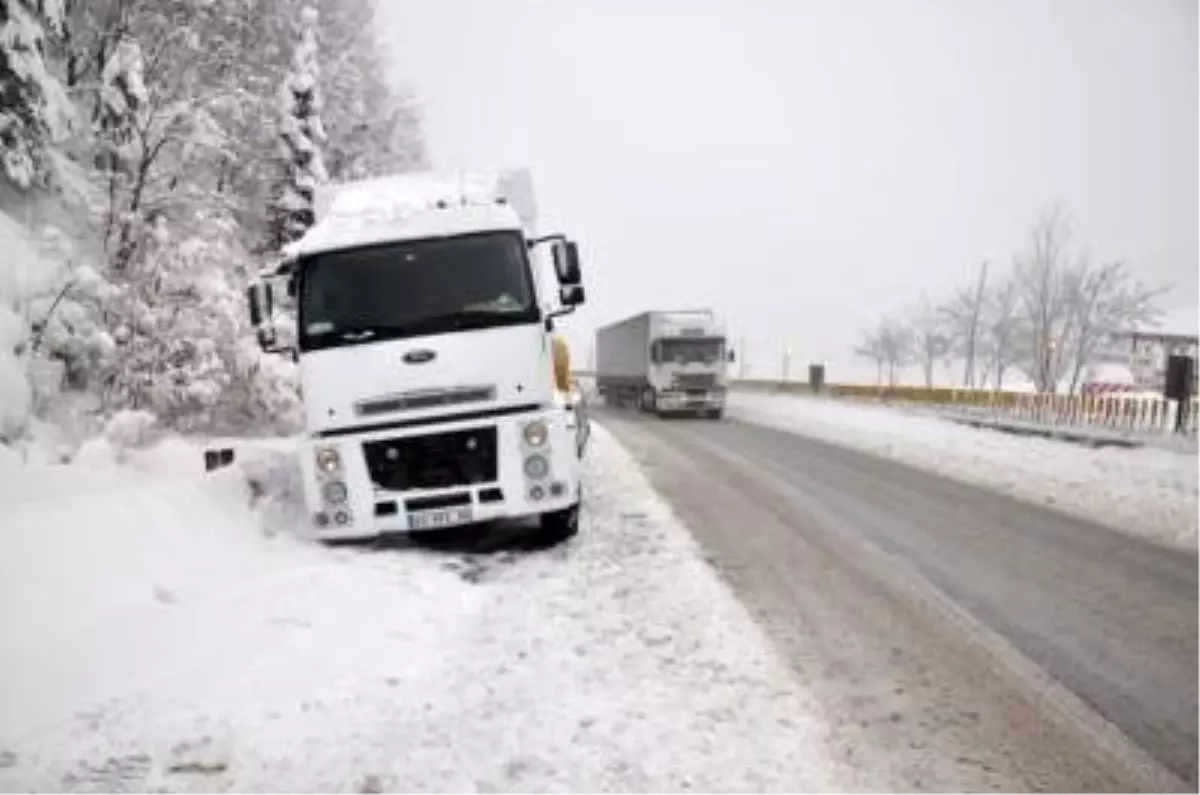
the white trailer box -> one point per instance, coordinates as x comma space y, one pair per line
623, 352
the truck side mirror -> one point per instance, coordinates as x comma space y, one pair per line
254, 300
731, 357
572, 295
566, 262
258, 298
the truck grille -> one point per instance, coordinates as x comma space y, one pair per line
425, 399
440, 460
695, 381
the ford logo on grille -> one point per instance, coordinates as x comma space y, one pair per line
420, 356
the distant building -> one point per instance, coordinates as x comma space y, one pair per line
1136, 361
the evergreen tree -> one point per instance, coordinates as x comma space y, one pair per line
301, 136
34, 108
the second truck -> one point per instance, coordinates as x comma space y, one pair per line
664, 362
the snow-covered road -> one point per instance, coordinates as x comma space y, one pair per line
152, 636
973, 642
1149, 492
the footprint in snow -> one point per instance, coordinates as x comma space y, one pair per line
198, 757
469, 569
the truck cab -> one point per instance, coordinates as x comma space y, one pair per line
688, 364
424, 346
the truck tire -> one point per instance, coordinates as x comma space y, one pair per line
648, 400
555, 527
715, 414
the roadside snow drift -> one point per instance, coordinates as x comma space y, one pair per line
1149, 492
152, 636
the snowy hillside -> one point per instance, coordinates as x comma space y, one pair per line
153, 637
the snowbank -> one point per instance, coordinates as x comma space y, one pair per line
1149, 492
15, 395
152, 637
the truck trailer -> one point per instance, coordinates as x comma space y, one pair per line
424, 343
664, 362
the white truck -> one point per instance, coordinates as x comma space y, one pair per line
664, 362
423, 339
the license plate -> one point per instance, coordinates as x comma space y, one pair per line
439, 517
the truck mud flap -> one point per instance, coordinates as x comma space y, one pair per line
217, 458
583, 425
582, 435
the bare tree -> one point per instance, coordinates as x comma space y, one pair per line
1045, 276
1067, 306
931, 338
870, 347
1105, 300
1001, 327
963, 317
895, 345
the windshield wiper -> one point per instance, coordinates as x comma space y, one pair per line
351, 333
472, 318
356, 335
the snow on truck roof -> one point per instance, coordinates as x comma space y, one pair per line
417, 205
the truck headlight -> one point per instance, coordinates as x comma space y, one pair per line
328, 460
536, 433
536, 467
334, 492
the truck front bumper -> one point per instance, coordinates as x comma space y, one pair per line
352, 500
689, 402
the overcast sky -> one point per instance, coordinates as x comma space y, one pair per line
804, 167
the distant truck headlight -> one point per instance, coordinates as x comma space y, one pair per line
335, 492
328, 460
536, 467
536, 433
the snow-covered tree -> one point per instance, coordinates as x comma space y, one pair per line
301, 137
373, 128
34, 109
183, 346
122, 121
123, 109
143, 308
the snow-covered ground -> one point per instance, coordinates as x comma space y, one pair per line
158, 633
1149, 492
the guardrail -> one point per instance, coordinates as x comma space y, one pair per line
1142, 414
1149, 414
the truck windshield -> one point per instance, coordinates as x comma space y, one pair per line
415, 288
687, 351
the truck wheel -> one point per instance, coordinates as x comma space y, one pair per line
648, 400
715, 414
556, 527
